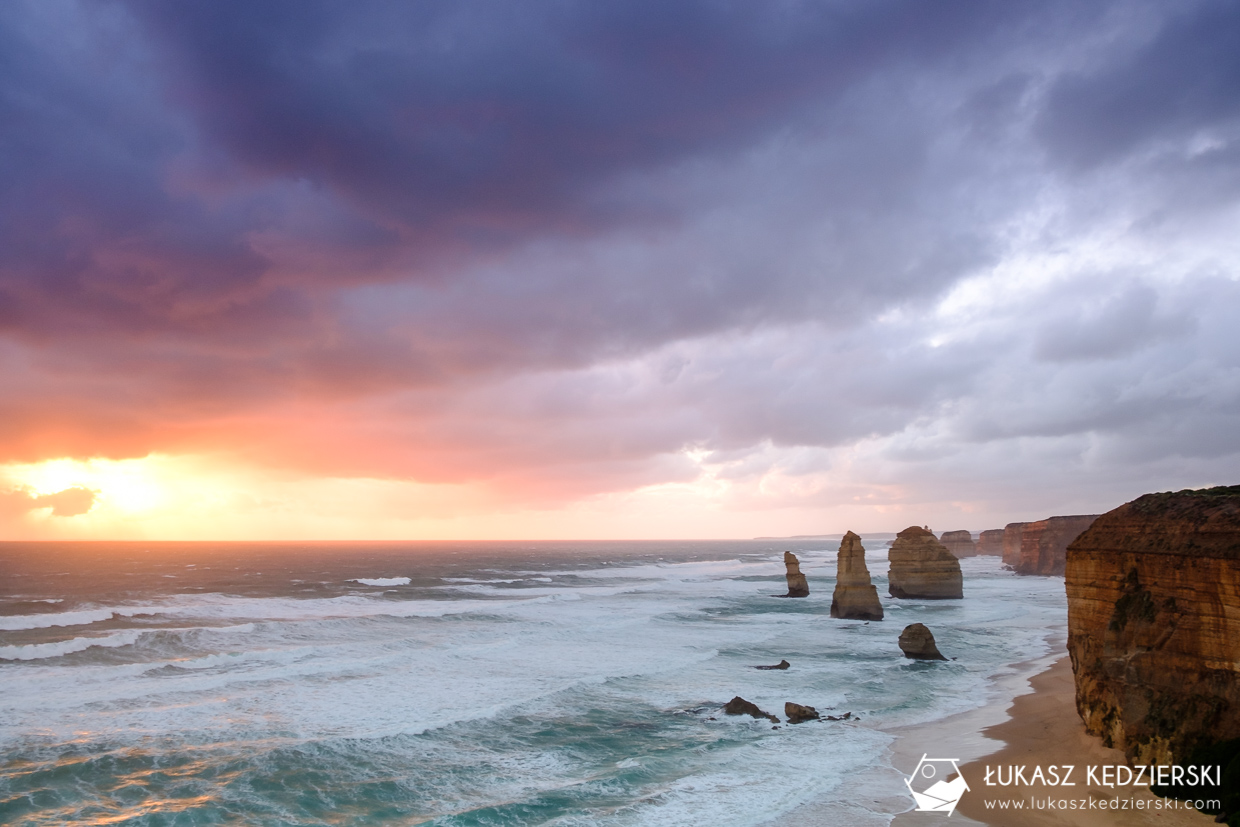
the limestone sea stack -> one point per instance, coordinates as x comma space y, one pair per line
959, 543
917, 642
922, 568
990, 542
797, 584
1154, 624
1044, 544
855, 597
1011, 543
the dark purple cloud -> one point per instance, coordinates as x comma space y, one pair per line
479, 122
1185, 78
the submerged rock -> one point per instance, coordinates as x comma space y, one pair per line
740, 706
959, 543
1154, 624
917, 642
798, 714
798, 586
783, 664
922, 568
855, 597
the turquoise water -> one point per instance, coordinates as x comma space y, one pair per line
463, 684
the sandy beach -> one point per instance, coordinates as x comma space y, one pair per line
1041, 728
1033, 721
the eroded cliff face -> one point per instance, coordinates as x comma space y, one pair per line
991, 542
855, 597
1011, 543
959, 543
1154, 623
922, 567
1044, 544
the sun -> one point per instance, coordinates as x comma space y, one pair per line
129, 485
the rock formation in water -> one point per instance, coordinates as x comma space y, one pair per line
1011, 543
959, 543
797, 584
917, 642
783, 664
922, 568
798, 714
1154, 624
1044, 544
740, 706
990, 542
855, 597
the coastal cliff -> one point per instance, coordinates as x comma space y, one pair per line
959, 543
1154, 623
1011, 543
990, 542
922, 568
1044, 544
855, 597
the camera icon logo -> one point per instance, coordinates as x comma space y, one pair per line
930, 786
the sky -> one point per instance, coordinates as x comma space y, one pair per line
293, 269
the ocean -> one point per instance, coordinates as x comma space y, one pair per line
464, 684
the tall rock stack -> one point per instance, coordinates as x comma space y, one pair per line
1011, 543
1044, 544
922, 568
959, 543
990, 542
798, 586
855, 597
1154, 624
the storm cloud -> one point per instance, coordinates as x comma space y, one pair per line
568, 249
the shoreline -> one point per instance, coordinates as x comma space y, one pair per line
878, 796
1031, 719
1044, 729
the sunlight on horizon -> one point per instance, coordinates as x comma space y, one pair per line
219, 497
128, 485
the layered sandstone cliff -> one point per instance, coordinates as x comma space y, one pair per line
798, 586
990, 542
959, 543
1154, 623
855, 597
1044, 544
1011, 543
922, 567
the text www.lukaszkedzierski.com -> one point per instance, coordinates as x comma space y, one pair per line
1101, 804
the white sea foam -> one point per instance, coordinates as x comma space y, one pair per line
39, 651
81, 617
231, 607
382, 581
474, 580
